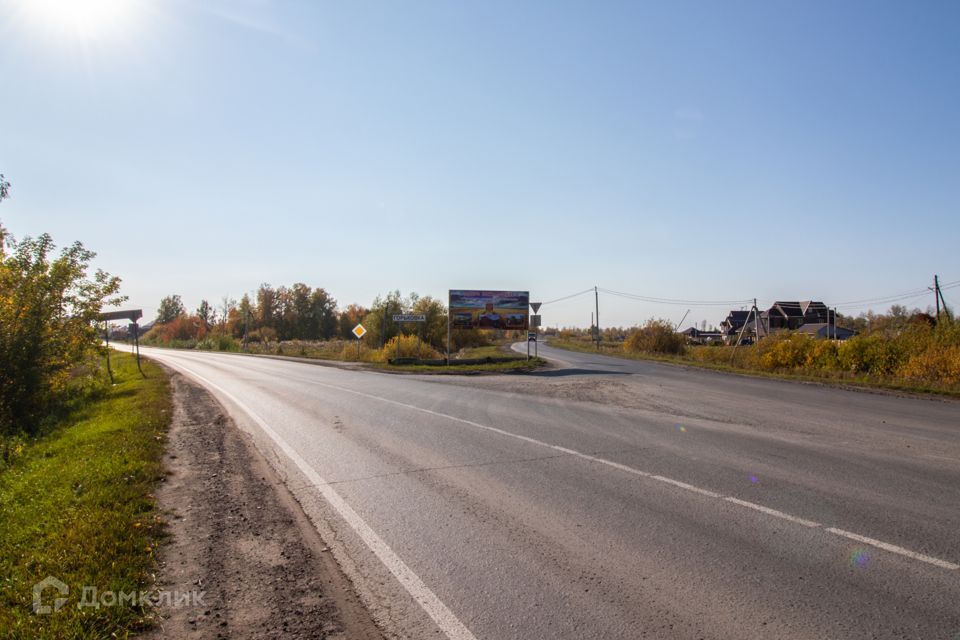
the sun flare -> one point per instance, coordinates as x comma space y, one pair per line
82, 18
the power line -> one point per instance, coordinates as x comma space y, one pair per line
572, 295
894, 297
902, 298
692, 303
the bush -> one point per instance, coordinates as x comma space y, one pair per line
875, 354
469, 339
656, 336
48, 341
784, 351
410, 347
219, 342
934, 365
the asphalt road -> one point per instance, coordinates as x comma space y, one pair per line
686, 504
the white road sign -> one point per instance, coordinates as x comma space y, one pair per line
409, 317
359, 331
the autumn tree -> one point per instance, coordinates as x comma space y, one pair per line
297, 313
323, 314
227, 306
379, 319
206, 314
243, 317
434, 330
265, 314
171, 308
48, 309
349, 318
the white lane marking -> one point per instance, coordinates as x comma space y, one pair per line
892, 548
683, 485
773, 512
445, 619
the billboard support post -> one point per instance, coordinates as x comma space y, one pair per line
106, 335
136, 341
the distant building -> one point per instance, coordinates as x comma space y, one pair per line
733, 325
696, 336
824, 330
793, 315
734, 321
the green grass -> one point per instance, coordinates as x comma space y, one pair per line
77, 504
493, 351
824, 377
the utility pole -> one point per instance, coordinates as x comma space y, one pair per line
743, 329
756, 322
936, 294
246, 322
596, 301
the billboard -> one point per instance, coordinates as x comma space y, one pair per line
489, 309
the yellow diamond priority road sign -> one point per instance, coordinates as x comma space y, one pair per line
359, 331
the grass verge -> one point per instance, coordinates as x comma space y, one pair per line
837, 378
78, 505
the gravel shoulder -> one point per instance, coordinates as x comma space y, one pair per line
238, 537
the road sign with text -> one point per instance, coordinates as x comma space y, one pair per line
409, 317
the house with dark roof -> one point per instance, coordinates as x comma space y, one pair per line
734, 322
793, 315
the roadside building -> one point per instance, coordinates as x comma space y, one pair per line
793, 315
825, 330
696, 336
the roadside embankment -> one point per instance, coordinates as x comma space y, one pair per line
79, 526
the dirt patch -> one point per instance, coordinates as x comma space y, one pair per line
238, 537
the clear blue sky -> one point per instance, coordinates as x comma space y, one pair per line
704, 151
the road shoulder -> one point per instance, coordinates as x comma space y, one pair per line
238, 537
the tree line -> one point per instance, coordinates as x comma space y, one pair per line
299, 312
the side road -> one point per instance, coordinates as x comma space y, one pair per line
240, 545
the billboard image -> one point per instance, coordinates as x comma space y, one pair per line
489, 309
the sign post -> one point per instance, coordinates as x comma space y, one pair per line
132, 315
535, 325
359, 331
400, 318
